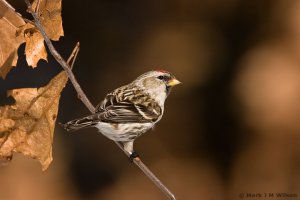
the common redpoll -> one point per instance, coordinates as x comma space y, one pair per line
131, 110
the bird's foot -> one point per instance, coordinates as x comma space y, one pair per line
133, 156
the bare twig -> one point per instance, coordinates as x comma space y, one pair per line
37, 8
73, 55
150, 175
86, 101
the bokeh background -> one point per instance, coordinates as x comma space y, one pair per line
231, 128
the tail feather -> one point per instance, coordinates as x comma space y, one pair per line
77, 124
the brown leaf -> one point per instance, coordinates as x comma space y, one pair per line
9, 43
28, 126
50, 15
35, 48
14, 32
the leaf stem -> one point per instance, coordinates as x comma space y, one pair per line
81, 95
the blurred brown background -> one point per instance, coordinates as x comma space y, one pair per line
231, 128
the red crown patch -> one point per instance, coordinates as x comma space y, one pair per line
162, 70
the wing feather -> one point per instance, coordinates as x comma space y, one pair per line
128, 105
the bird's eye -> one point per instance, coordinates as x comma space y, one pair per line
161, 77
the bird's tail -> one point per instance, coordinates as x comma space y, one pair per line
77, 124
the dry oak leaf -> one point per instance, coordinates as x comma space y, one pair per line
10, 21
49, 12
27, 126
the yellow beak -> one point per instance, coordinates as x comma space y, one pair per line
173, 82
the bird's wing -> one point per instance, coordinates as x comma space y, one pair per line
126, 105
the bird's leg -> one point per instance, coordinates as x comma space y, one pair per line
128, 146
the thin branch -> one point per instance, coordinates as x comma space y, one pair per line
150, 175
137, 161
73, 55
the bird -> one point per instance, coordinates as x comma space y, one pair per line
130, 110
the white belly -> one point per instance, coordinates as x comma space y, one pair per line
123, 132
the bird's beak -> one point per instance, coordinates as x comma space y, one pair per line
172, 82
